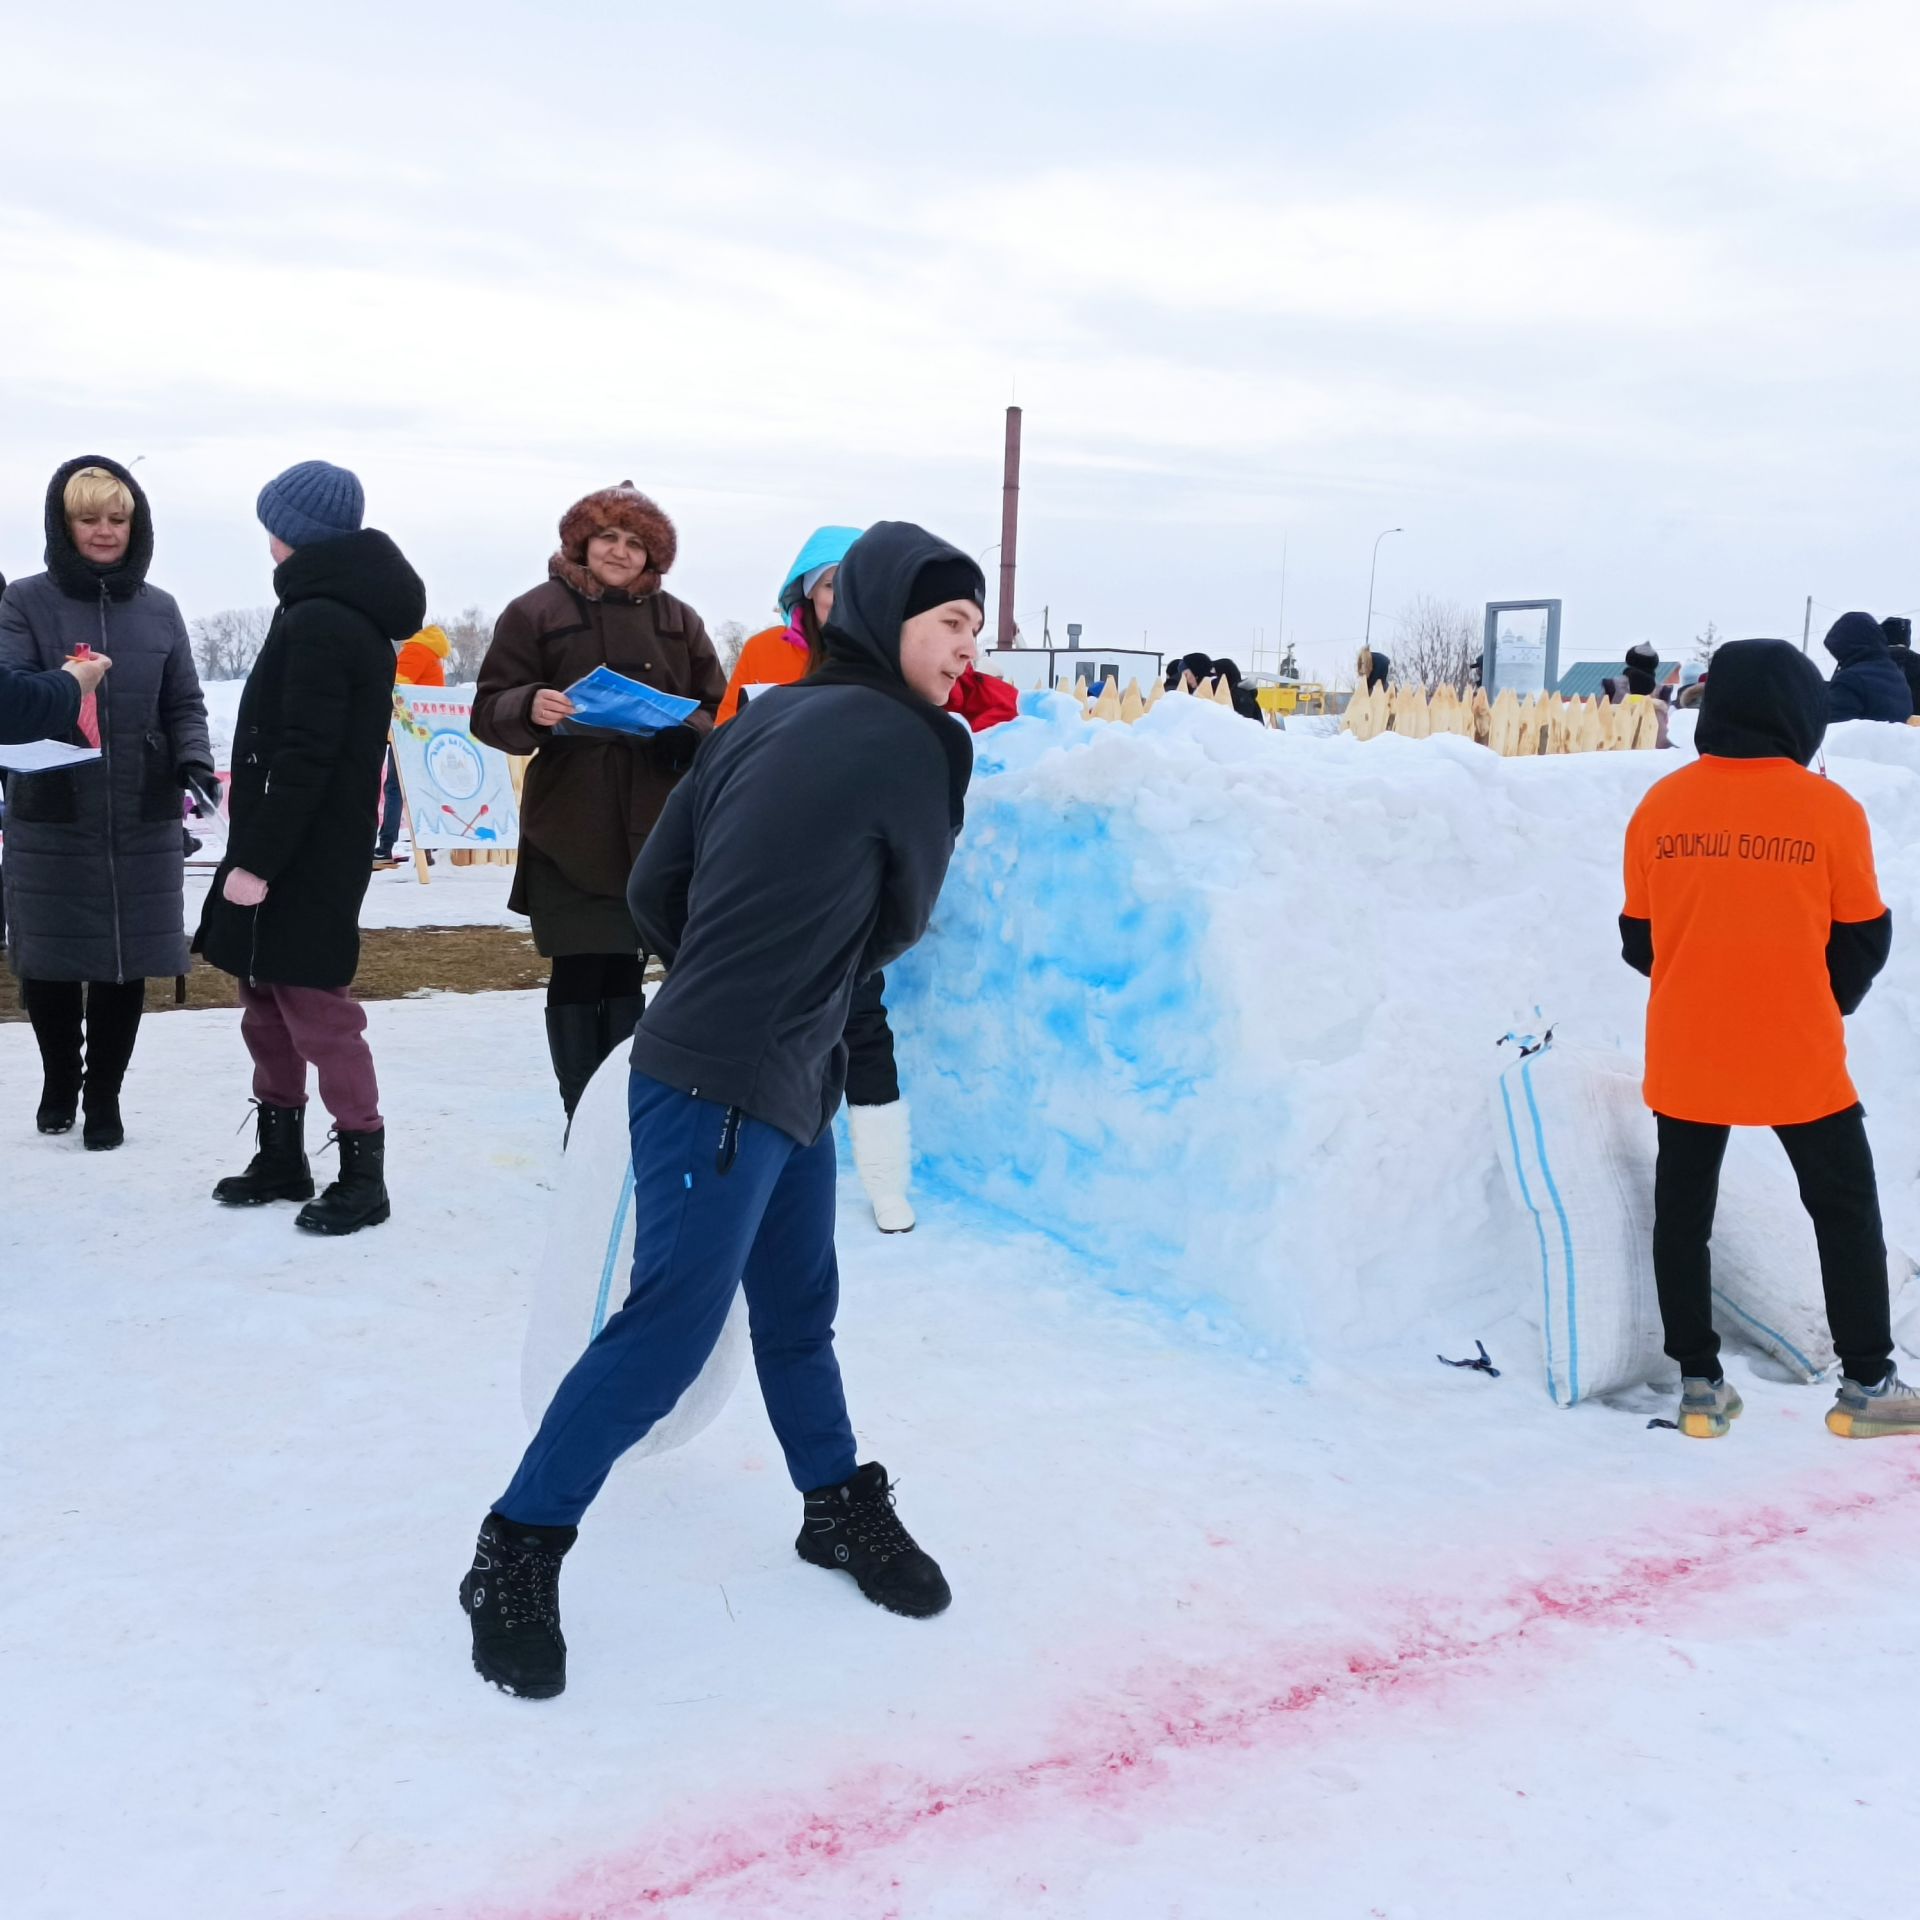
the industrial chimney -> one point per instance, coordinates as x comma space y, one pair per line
1009, 528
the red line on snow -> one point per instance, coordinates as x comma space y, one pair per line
1175, 1711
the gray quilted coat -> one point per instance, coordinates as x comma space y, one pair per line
92, 861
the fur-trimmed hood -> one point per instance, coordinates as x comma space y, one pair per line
621, 506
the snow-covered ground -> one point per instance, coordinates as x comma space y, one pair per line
1259, 1610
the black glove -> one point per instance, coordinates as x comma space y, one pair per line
676, 746
203, 783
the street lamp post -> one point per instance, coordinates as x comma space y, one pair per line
1372, 571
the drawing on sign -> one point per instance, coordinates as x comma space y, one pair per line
459, 790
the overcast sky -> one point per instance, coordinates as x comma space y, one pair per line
1618, 302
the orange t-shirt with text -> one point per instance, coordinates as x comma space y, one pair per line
1743, 866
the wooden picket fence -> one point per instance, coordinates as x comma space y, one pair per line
1127, 704
1515, 728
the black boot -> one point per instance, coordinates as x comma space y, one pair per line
113, 1024
278, 1169
573, 1041
511, 1596
54, 1007
853, 1528
359, 1197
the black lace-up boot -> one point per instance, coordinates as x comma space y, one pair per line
279, 1169
511, 1595
853, 1528
359, 1197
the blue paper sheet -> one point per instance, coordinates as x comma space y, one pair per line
604, 698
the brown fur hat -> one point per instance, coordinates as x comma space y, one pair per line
621, 506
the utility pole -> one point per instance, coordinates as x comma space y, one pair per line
1806, 626
1009, 528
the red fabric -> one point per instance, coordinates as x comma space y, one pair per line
983, 700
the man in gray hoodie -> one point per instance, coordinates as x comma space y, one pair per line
803, 852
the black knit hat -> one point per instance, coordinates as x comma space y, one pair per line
942, 580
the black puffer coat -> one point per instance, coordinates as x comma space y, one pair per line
1866, 685
307, 748
94, 861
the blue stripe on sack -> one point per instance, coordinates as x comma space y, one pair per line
1779, 1339
612, 1260
1546, 1262
1566, 1238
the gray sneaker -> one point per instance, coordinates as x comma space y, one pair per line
1708, 1408
1874, 1413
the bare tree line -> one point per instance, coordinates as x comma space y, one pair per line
226, 644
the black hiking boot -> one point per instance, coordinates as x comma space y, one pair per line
511, 1597
279, 1169
854, 1529
359, 1197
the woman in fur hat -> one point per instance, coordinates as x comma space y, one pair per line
592, 796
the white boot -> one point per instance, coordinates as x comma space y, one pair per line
883, 1151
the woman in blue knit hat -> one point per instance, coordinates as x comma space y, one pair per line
284, 913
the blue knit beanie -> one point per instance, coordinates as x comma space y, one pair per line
310, 503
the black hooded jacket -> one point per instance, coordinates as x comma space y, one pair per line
802, 853
1866, 685
307, 747
1765, 700
1897, 631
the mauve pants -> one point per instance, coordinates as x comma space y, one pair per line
286, 1028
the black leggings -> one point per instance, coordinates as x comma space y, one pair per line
1834, 1165
585, 979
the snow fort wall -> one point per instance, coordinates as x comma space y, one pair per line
1219, 1008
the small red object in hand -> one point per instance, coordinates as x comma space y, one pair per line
89, 722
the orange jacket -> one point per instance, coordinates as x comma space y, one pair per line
769, 659
421, 661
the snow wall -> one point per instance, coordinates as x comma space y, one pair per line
1218, 1008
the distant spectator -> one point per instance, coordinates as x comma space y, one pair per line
1866, 684
1246, 703
1898, 632
1641, 682
1641, 675
1376, 666
1198, 665
422, 662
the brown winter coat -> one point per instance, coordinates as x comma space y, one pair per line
591, 796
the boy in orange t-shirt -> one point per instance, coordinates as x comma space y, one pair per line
1752, 905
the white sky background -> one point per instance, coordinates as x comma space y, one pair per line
1618, 302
